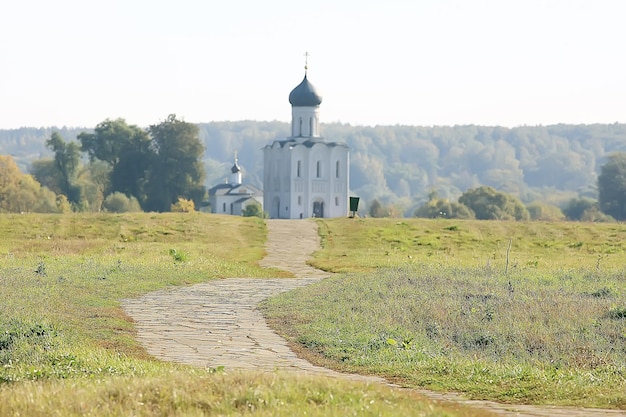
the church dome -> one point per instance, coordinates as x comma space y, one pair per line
305, 95
235, 169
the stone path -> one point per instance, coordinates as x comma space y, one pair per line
217, 323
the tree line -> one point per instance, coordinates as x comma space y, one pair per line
400, 166
118, 167
487, 203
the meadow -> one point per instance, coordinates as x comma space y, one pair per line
518, 312
67, 348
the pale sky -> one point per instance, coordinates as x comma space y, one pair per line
76, 63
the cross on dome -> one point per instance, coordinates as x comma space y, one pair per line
305, 94
235, 169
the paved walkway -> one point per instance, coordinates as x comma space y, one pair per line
217, 323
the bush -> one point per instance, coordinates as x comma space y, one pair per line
442, 208
120, 203
62, 204
576, 208
545, 212
178, 256
183, 206
254, 210
377, 209
595, 215
489, 204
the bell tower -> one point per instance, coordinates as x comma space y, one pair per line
305, 176
305, 106
235, 173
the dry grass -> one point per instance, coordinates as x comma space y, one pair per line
200, 393
448, 317
67, 349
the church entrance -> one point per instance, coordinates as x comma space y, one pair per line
275, 209
318, 209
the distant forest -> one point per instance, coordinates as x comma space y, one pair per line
402, 165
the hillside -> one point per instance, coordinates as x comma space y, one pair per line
401, 164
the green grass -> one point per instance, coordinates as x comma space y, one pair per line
198, 393
67, 348
351, 245
429, 305
73, 270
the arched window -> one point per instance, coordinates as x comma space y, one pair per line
224, 208
337, 201
299, 169
318, 169
337, 170
299, 200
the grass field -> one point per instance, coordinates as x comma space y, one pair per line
363, 245
66, 347
515, 312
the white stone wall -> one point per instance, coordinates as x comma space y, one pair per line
305, 122
297, 176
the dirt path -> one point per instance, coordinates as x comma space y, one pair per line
217, 323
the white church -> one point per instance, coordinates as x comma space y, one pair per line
233, 197
305, 176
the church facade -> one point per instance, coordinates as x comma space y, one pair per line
304, 175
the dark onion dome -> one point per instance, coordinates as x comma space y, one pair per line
235, 169
305, 95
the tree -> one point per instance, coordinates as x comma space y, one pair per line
176, 169
576, 208
67, 162
489, 204
20, 192
47, 174
126, 149
612, 186
95, 182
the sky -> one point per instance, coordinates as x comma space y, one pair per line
76, 63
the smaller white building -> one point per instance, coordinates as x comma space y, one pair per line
233, 197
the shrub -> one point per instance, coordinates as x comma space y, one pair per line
62, 204
120, 203
543, 211
617, 313
576, 208
595, 215
443, 208
489, 204
379, 210
178, 255
254, 210
183, 206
